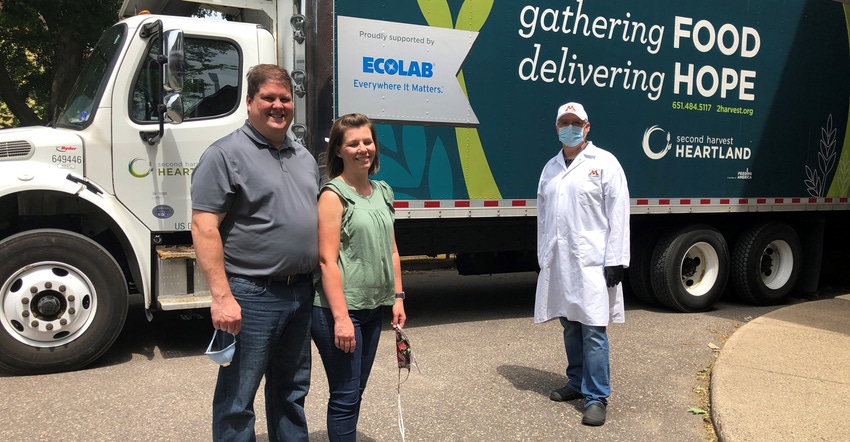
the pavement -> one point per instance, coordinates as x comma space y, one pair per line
785, 376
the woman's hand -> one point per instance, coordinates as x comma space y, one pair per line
344, 335
399, 317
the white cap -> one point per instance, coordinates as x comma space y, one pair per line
571, 108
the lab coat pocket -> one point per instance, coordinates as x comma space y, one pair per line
591, 246
590, 190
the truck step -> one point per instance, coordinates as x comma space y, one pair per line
180, 284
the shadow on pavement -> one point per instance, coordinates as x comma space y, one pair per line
532, 379
172, 334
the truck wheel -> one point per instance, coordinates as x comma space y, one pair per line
639, 270
64, 300
766, 263
690, 268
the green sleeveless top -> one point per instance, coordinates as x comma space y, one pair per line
366, 247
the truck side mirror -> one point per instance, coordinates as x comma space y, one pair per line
174, 108
173, 60
173, 69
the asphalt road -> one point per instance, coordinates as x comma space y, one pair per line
486, 372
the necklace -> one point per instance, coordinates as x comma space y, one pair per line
365, 194
365, 191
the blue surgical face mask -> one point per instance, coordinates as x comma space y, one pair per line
571, 136
221, 348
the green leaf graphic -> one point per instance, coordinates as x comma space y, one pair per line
840, 185
436, 13
473, 14
439, 168
480, 183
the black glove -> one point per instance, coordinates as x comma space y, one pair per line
613, 275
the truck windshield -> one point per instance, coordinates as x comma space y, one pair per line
87, 92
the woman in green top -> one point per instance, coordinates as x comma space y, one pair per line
361, 270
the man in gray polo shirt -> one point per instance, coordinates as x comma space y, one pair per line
254, 226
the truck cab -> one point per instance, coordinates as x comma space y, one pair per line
97, 207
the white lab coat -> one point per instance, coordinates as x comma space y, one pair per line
582, 226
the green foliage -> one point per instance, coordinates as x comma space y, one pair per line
7, 119
42, 46
205, 12
24, 51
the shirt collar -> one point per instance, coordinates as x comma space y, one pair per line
261, 141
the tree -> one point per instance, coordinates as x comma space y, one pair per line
43, 44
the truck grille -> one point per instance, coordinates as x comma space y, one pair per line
14, 149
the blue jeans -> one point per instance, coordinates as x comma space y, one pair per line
587, 361
274, 341
347, 372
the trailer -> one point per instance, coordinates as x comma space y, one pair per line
729, 118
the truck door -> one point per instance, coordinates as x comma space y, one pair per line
153, 180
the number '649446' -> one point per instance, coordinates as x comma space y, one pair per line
67, 159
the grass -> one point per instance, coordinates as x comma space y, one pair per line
702, 390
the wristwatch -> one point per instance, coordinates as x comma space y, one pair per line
399, 295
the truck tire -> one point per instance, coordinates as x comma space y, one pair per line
767, 259
639, 270
64, 300
690, 268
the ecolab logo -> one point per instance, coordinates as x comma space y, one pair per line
402, 68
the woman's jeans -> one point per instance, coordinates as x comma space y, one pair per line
347, 372
274, 341
587, 361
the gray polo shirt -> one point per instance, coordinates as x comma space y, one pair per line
269, 196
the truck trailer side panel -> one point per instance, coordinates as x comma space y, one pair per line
698, 100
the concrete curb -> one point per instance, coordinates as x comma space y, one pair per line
785, 376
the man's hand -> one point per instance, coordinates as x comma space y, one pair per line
226, 314
613, 275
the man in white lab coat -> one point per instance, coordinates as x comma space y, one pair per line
582, 249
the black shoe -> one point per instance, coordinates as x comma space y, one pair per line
565, 393
594, 415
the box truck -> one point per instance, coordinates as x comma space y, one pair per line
729, 118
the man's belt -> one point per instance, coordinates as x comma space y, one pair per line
287, 279
291, 279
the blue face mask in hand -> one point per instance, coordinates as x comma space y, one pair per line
221, 350
571, 136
